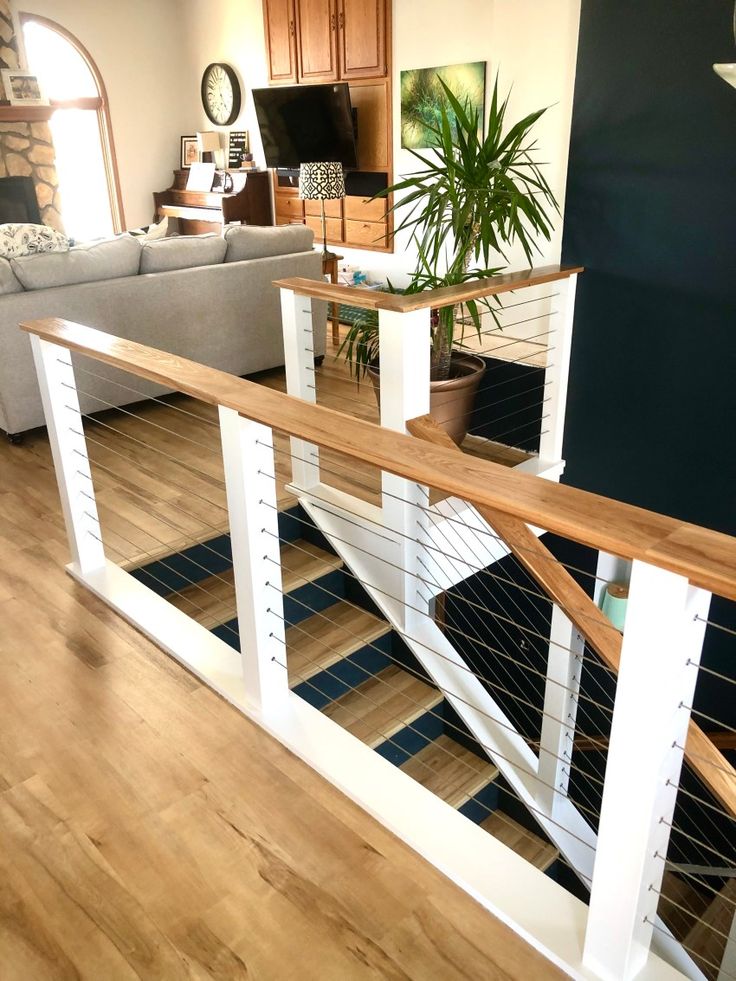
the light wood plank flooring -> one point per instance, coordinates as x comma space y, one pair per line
147, 829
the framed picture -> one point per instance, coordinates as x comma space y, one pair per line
422, 95
23, 88
189, 152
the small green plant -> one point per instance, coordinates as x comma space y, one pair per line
474, 198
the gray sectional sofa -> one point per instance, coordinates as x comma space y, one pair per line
208, 298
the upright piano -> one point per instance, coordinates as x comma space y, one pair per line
248, 203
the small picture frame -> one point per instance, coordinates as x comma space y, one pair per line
189, 152
23, 88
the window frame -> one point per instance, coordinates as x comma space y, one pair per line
100, 105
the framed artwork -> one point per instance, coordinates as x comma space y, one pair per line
422, 95
23, 88
189, 152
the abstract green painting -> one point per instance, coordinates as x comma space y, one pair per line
421, 96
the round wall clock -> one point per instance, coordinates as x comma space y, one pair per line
220, 94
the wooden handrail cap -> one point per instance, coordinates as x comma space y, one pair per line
445, 296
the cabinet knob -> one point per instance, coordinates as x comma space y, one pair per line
332, 22
291, 28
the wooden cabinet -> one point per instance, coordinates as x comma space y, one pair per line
279, 18
352, 220
317, 40
325, 40
362, 38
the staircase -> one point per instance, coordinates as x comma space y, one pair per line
346, 660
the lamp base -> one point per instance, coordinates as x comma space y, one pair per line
327, 255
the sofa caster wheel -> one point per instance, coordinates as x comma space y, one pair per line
318, 361
15, 439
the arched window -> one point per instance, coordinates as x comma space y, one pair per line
80, 126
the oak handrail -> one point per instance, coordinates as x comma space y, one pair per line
707, 558
701, 754
442, 297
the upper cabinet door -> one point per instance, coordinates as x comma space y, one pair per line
362, 37
317, 40
279, 18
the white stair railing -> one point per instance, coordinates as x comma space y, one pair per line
382, 547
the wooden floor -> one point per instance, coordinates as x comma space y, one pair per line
147, 829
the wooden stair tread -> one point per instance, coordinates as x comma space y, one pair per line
525, 843
176, 545
706, 941
326, 638
211, 602
450, 771
383, 705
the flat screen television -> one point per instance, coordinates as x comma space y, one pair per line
304, 123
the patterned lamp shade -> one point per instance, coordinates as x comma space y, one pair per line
321, 181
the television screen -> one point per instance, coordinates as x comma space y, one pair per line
305, 123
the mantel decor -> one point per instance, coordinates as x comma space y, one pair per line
23, 88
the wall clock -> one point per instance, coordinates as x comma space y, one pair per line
220, 94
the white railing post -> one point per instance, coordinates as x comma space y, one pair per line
296, 321
656, 680
250, 484
69, 451
404, 343
556, 375
564, 664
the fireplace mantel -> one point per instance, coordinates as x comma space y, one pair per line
24, 114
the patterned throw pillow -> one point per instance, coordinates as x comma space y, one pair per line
22, 239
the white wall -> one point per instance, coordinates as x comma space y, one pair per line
140, 48
230, 31
533, 46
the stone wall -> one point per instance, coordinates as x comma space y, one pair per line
27, 149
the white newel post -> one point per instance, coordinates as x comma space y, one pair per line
251, 498
564, 664
296, 320
656, 680
69, 450
556, 375
404, 342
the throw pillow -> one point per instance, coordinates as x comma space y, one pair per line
151, 232
23, 239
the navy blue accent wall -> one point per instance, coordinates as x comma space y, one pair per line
651, 213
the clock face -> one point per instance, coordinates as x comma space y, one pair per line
220, 94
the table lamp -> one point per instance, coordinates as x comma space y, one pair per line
207, 143
322, 182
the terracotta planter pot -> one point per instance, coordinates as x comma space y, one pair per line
451, 401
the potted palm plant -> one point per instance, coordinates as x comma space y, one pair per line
474, 197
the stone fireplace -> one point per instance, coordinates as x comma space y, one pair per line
26, 143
